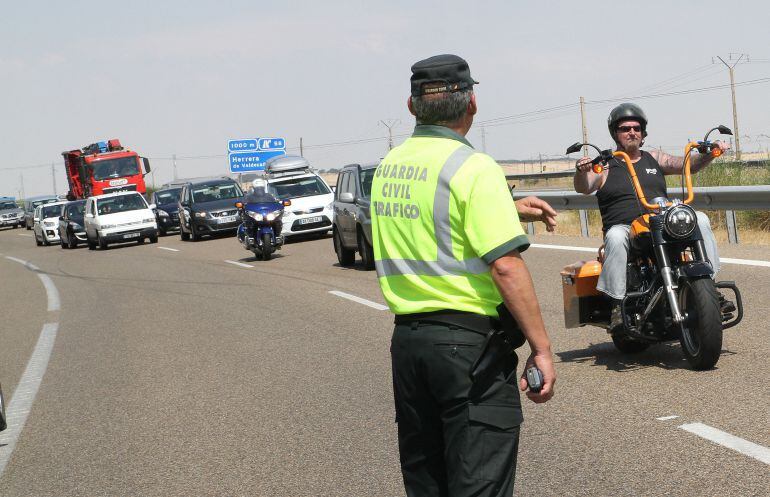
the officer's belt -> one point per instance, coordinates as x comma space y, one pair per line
477, 323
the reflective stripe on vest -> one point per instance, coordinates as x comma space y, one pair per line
445, 264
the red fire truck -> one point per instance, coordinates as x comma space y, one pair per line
104, 167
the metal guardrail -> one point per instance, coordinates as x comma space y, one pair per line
549, 175
727, 198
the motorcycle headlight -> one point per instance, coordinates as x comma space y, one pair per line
200, 214
680, 221
256, 216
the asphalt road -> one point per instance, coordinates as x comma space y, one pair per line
176, 373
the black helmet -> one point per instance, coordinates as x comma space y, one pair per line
626, 112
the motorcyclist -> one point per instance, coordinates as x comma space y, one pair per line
617, 198
259, 195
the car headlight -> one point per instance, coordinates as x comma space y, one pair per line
162, 213
254, 215
148, 220
680, 221
329, 206
49, 223
107, 226
200, 214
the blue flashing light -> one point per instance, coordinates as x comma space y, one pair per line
102, 147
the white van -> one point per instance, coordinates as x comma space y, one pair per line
290, 177
119, 217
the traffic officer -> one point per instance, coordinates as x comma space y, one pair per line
447, 239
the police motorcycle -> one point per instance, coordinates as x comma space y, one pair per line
260, 229
670, 291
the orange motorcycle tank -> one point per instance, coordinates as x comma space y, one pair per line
640, 226
579, 293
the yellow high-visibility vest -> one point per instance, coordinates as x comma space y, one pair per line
441, 213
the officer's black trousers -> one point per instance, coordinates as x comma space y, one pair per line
450, 445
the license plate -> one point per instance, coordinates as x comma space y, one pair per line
131, 235
309, 220
227, 219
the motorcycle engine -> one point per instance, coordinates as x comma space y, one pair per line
635, 277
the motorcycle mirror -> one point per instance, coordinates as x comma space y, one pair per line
286, 203
575, 147
239, 205
724, 130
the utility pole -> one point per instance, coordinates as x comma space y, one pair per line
53, 177
736, 133
583, 121
301, 151
21, 176
173, 157
541, 162
390, 125
483, 140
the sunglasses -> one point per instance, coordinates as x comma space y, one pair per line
626, 129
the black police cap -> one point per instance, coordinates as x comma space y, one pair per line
451, 70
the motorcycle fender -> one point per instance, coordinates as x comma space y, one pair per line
695, 269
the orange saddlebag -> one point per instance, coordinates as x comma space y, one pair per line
581, 298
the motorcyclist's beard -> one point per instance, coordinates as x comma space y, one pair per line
631, 147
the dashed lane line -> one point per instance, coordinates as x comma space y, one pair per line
236, 263
666, 418
169, 248
21, 402
725, 439
726, 260
54, 302
373, 305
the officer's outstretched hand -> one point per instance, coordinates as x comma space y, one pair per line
533, 209
544, 363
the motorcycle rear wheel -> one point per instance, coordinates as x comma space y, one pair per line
701, 332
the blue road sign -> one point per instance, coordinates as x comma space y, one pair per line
250, 154
243, 162
242, 145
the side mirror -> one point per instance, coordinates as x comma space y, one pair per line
286, 203
89, 215
724, 130
61, 218
146, 162
239, 205
152, 206
36, 219
347, 197
575, 147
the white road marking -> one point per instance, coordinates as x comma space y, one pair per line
24, 234
169, 248
21, 402
373, 305
727, 260
724, 439
239, 264
666, 418
54, 302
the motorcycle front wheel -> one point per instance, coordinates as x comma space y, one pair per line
701, 331
267, 247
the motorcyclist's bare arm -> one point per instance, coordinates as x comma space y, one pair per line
586, 180
671, 164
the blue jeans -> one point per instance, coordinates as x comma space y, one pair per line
612, 280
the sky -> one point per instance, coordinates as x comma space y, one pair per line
173, 77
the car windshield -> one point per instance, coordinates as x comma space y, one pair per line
7, 205
298, 187
75, 211
121, 203
211, 193
164, 197
115, 168
51, 211
367, 175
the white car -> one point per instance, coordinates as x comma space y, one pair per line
290, 177
119, 217
45, 223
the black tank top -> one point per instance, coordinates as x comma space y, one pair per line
617, 200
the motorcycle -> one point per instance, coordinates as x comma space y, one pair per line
670, 291
260, 228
